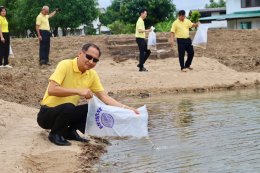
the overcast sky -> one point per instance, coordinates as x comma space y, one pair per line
187, 5
180, 4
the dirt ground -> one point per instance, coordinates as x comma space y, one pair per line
27, 81
237, 49
231, 60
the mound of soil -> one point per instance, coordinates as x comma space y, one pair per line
27, 81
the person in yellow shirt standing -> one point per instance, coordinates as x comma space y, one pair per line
72, 79
140, 40
180, 30
5, 39
44, 34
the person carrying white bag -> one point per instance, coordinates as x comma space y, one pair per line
111, 121
140, 34
201, 37
152, 39
180, 31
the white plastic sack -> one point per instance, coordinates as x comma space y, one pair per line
152, 39
11, 51
201, 36
104, 120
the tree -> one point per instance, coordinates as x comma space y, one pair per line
128, 11
11, 8
6, 3
112, 13
222, 3
213, 4
73, 14
24, 16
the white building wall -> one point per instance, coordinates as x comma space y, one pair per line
96, 23
218, 24
256, 24
235, 6
232, 24
235, 24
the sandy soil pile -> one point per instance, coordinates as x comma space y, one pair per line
237, 49
25, 148
230, 61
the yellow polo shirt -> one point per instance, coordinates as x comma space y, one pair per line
4, 24
140, 25
181, 29
68, 75
43, 22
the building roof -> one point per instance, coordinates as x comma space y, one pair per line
235, 15
210, 9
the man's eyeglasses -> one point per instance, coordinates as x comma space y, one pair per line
89, 57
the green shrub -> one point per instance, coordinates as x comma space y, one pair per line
164, 26
119, 27
90, 30
195, 15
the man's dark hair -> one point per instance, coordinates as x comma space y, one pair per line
142, 11
1, 8
181, 13
88, 45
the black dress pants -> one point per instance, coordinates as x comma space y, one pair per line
144, 52
5, 49
45, 46
185, 45
62, 118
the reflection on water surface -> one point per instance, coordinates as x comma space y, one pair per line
210, 132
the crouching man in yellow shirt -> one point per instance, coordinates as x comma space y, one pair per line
180, 29
71, 80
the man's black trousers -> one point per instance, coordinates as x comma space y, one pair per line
4, 49
184, 44
62, 118
144, 52
45, 46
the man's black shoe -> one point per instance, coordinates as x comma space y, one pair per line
58, 140
41, 62
73, 135
138, 65
47, 63
143, 69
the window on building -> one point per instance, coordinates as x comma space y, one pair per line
250, 3
245, 25
205, 14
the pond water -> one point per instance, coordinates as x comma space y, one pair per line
209, 132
